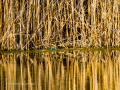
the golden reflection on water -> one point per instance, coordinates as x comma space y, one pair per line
60, 71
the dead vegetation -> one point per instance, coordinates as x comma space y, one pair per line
26, 24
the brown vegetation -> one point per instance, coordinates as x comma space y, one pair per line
26, 24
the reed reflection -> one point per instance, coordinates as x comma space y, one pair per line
60, 71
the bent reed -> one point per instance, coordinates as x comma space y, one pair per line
29, 24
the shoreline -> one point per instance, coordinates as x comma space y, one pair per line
63, 50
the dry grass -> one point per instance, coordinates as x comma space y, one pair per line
32, 24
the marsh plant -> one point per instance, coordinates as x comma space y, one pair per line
27, 24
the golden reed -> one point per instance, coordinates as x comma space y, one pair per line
26, 24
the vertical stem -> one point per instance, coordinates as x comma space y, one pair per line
21, 10
1, 22
73, 20
1, 17
83, 31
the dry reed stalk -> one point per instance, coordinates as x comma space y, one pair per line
28, 23
1, 17
96, 23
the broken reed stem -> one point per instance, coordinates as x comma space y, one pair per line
87, 23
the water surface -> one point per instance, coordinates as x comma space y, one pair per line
70, 70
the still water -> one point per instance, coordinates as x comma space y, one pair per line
69, 70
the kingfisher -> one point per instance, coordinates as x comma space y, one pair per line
52, 48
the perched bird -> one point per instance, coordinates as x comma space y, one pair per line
52, 48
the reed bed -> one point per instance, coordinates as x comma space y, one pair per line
29, 24
55, 71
